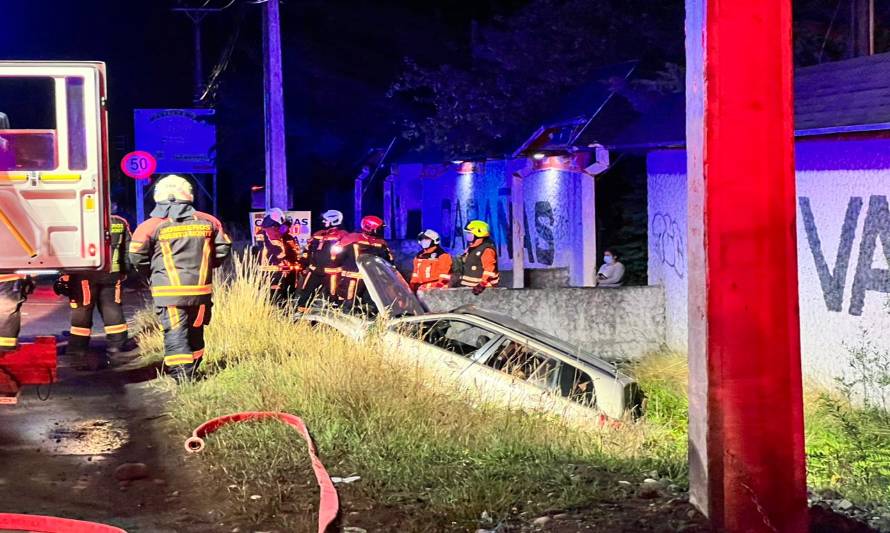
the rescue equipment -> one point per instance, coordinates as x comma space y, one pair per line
329, 502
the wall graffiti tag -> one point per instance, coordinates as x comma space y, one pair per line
668, 243
876, 227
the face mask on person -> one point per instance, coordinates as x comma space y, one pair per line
425, 243
469, 237
608, 259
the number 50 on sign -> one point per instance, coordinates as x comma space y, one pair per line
139, 165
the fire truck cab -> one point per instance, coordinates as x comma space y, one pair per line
54, 172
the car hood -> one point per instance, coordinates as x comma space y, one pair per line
388, 288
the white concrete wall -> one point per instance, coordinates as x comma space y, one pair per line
843, 231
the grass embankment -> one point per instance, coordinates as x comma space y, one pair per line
414, 443
429, 447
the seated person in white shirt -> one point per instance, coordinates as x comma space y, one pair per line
611, 274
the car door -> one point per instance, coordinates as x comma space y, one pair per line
53, 166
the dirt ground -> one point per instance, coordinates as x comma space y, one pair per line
58, 457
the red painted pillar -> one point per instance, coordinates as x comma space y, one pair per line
746, 412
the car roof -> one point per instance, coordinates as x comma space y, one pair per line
508, 322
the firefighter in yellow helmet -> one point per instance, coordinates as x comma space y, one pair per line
479, 262
178, 248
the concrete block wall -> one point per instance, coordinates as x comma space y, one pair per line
622, 323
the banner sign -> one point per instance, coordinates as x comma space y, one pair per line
181, 140
301, 228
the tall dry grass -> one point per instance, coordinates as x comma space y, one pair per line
415, 441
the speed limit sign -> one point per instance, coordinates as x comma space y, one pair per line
139, 165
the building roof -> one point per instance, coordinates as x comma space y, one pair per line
839, 97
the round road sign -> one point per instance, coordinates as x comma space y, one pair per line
139, 165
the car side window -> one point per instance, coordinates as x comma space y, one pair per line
576, 385
525, 363
455, 336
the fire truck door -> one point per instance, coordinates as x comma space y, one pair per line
53, 166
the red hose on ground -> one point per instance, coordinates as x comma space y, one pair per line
329, 502
48, 524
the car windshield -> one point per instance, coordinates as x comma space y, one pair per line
388, 288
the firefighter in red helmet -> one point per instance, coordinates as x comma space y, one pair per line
345, 254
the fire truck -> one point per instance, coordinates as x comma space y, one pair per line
54, 193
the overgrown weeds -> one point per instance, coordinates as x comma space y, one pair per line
414, 441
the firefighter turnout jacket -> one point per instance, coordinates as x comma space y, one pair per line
178, 250
321, 262
345, 256
432, 268
479, 264
281, 249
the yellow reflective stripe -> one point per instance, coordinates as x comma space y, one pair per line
81, 332
182, 290
135, 246
173, 311
491, 274
10, 277
178, 359
60, 177
7, 342
118, 328
471, 278
13, 177
169, 265
205, 263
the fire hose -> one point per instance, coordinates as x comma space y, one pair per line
48, 524
329, 503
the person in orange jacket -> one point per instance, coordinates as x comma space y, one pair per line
281, 258
351, 287
432, 265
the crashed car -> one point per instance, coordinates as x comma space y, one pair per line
489, 353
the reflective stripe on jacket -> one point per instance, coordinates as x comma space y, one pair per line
480, 265
179, 256
433, 267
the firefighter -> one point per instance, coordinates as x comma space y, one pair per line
351, 288
102, 290
14, 290
320, 279
432, 266
178, 247
281, 254
479, 262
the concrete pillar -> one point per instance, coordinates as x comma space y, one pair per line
746, 453
517, 202
583, 271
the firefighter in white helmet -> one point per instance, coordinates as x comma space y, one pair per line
178, 248
432, 265
322, 274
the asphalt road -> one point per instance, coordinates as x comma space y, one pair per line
58, 456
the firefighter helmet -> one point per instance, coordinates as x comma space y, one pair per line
478, 228
371, 224
332, 218
173, 188
276, 214
431, 235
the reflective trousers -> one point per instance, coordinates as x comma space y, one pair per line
317, 284
12, 296
87, 295
184, 333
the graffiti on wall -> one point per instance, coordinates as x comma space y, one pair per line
540, 244
866, 278
668, 243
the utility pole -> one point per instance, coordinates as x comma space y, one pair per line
862, 28
273, 83
196, 15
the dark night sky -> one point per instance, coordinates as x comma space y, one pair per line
340, 57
